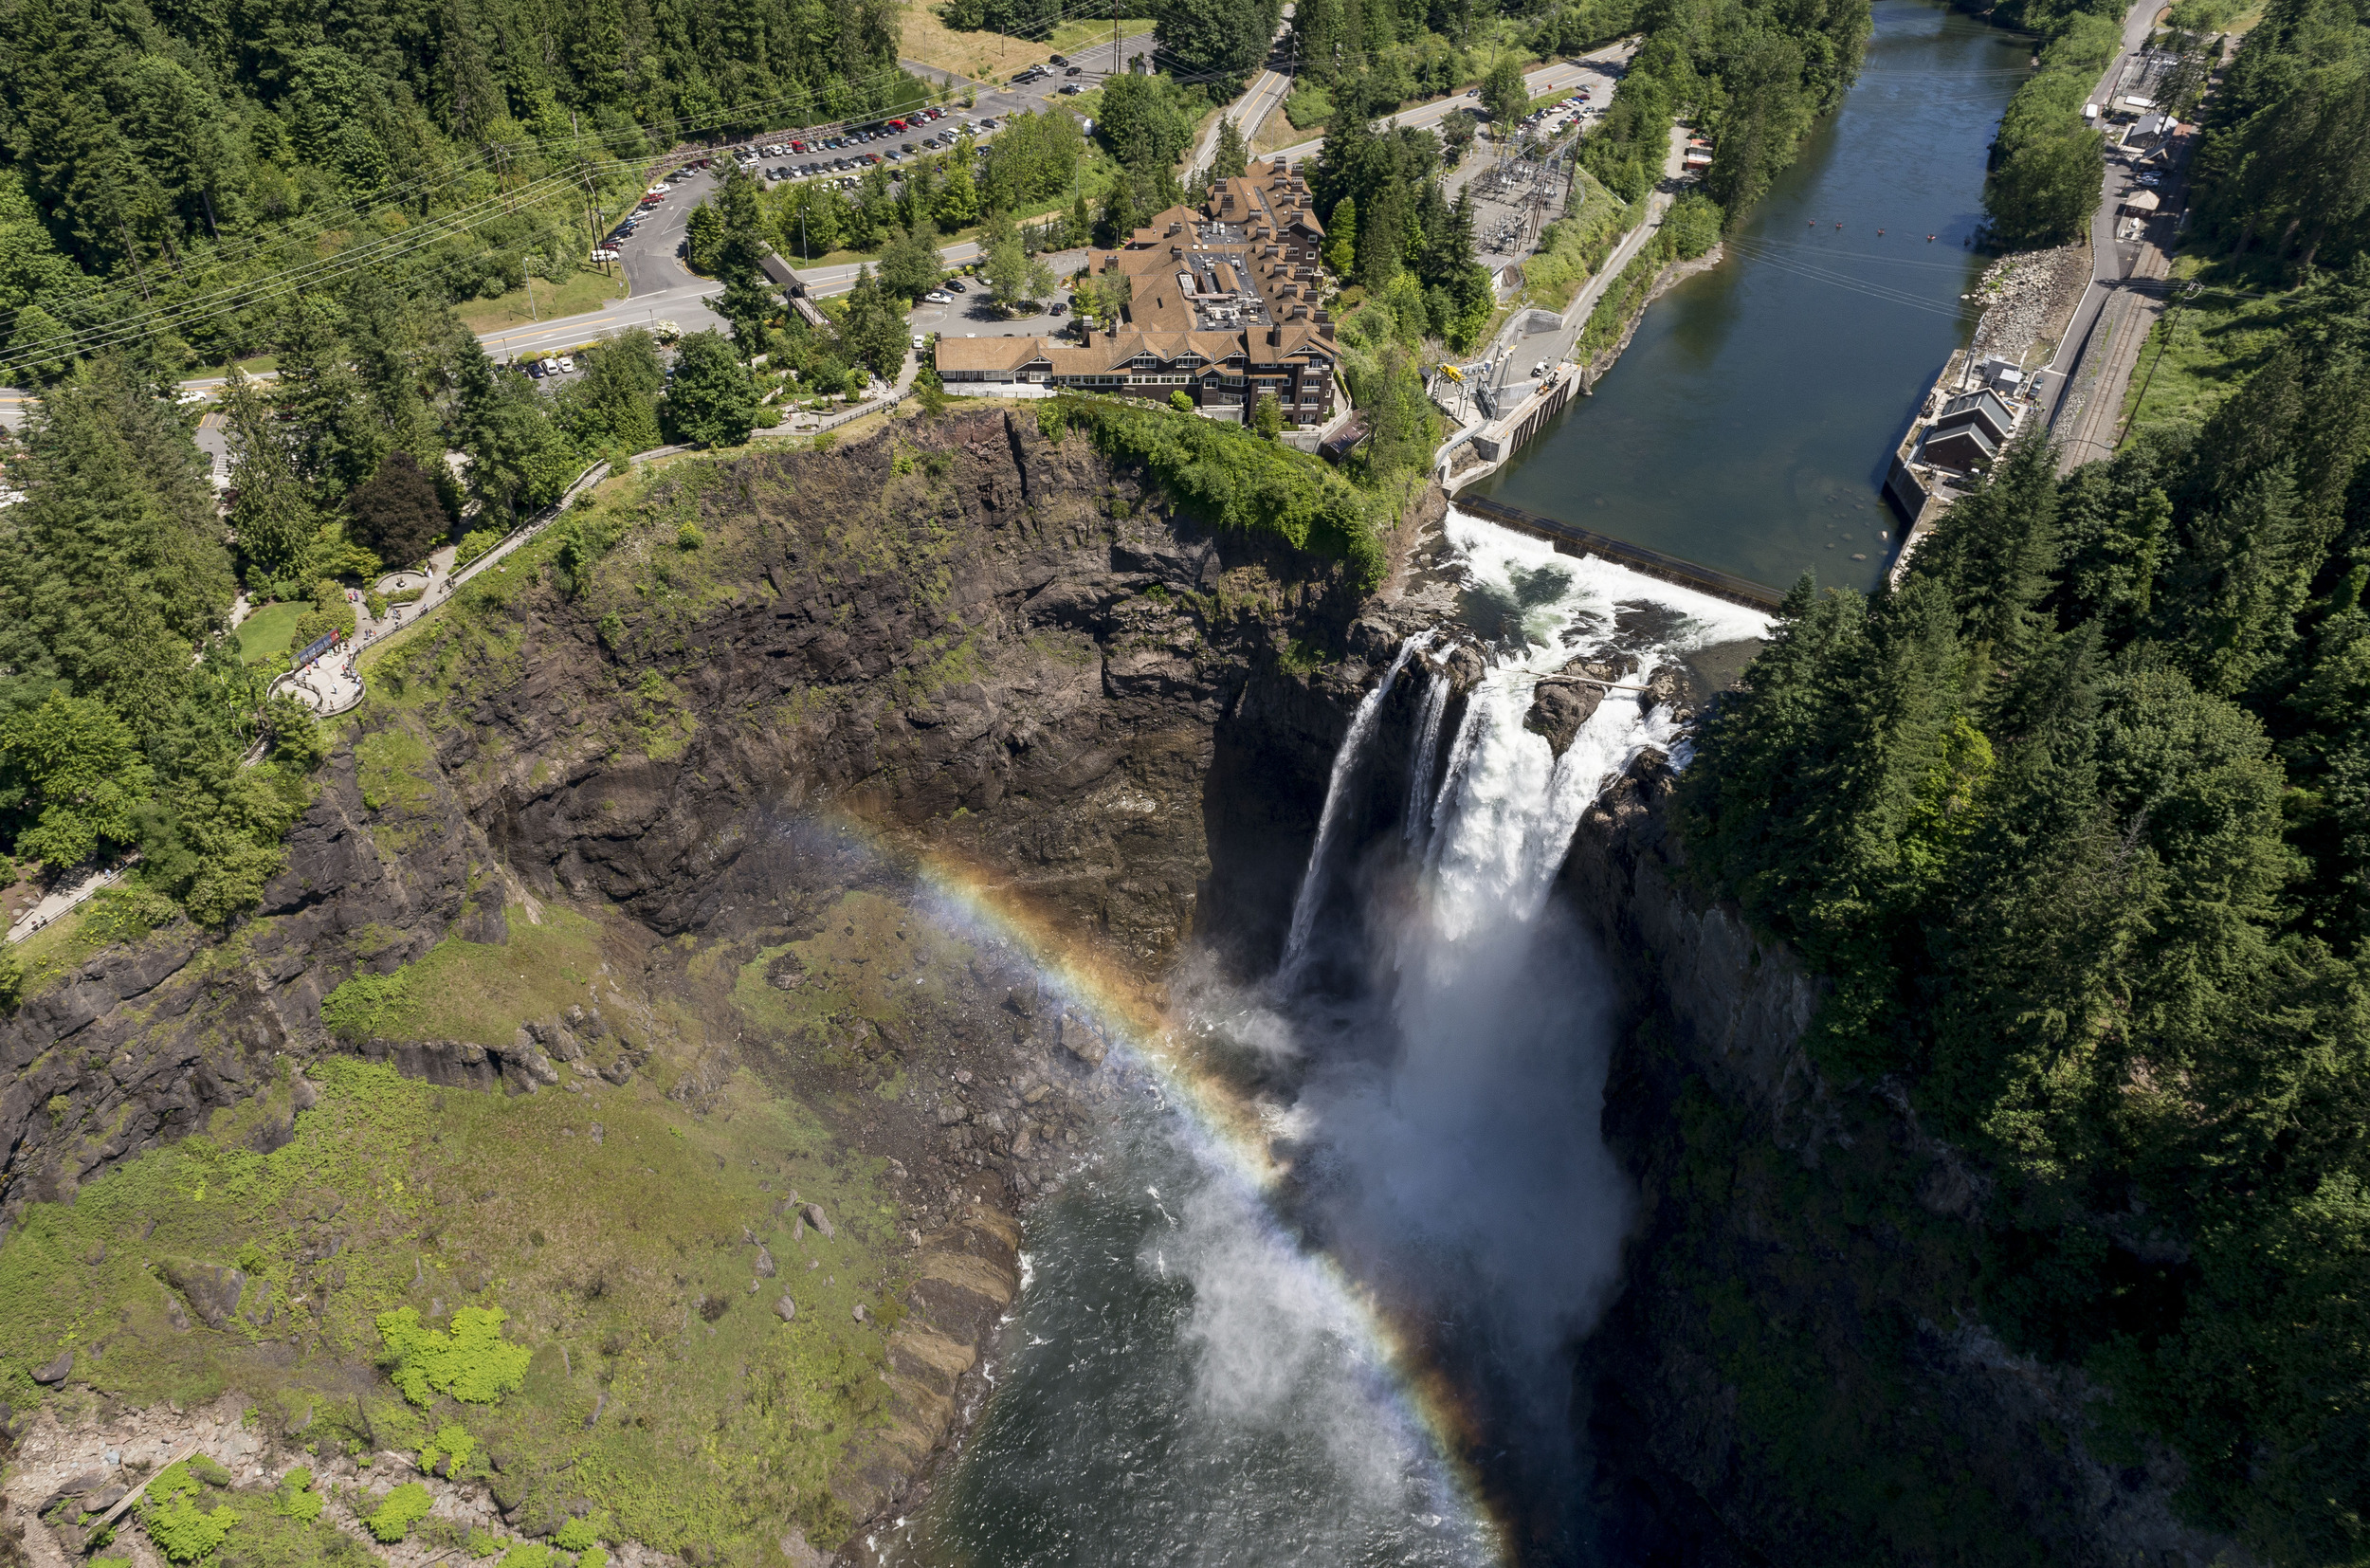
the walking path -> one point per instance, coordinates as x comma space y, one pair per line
50, 906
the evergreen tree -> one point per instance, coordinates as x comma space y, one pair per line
874, 332
1232, 153
958, 205
712, 401
512, 448
274, 516
740, 237
910, 265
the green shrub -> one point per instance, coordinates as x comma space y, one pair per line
1233, 478
527, 1553
474, 544
370, 1006
402, 1508
295, 1499
689, 537
473, 1363
203, 1467
170, 1514
452, 1441
577, 1534
1693, 224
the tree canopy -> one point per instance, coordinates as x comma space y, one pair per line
2073, 823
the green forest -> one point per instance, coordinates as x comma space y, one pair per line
170, 177
2282, 176
2077, 822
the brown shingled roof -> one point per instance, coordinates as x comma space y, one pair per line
987, 354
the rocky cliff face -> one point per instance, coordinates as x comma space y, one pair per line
728, 746
1791, 1374
718, 757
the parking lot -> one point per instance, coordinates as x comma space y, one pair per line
968, 314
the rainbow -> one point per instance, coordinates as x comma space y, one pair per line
1230, 1134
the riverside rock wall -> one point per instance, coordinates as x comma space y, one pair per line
1795, 1372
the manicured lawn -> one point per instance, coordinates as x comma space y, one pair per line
264, 635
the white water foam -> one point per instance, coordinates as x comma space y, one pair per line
1344, 764
1416, 829
1507, 807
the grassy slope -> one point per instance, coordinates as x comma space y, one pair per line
713, 1433
606, 1251
986, 56
583, 291
2200, 351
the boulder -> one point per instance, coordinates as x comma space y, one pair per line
1081, 1042
821, 1221
1558, 710
786, 1310
212, 1290
765, 1263
56, 1371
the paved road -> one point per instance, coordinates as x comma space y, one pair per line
1250, 111
2111, 259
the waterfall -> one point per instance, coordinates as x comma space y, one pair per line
1344, 764
1417, 828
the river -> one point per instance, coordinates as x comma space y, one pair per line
1314, 1301
1749, 424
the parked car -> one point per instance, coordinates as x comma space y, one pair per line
921, 342
1056, 308
1058, 60
1069, 88
957, 284
938, 297
1074, 70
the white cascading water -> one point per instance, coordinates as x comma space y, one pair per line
1416, 831
1189, 1393
1465, 1163
1345, 764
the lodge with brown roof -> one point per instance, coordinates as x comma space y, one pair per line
1222, 306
